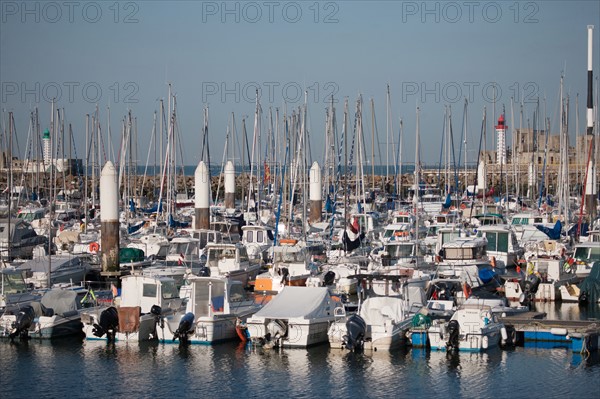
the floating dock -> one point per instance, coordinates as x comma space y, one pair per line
579, 335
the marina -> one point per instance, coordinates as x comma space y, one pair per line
343, 199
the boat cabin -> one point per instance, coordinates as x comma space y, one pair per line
147, 291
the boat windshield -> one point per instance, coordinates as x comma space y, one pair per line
291, 256
13, 283
399, 251
169, 290
236, 293
587, 254
185, 248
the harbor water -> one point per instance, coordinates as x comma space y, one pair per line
77, 368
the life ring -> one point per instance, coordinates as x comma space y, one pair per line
463, 206
94, 247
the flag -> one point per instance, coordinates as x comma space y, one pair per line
181, 259
114, 290
267, 174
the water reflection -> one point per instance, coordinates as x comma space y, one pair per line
98, 369
567, 311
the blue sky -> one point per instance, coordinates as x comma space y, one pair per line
432, 54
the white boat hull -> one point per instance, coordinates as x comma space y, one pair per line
301, 333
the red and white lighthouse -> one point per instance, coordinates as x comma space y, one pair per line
501, 141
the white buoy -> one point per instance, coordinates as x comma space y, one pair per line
109, 218
202, 198
315, 193
229, 185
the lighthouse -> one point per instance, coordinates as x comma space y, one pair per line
47, 149
501, 141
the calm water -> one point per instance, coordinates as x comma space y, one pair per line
95, 369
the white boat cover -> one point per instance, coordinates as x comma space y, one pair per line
375, 310
299, 302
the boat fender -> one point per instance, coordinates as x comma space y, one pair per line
558, 331
467, 290
485, 342
504, 334
493, 262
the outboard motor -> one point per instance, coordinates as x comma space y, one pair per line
185, 327
276, 330
328, 278
453, 329
356, 328
529, 286
108, 324
23, 322
583, 298
285, 273
156, 311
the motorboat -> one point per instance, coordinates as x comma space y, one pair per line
387, 321
502, 246
257, 239
57, 314
472, 328
55, 269
18, 239
216, 308
14, 290
135, 314
297, 317
231, 260
291, 267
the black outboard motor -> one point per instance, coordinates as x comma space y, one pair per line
156, 311
23, 322
529, 286
108, 324
583, 298
185, 327
356, 328
328, 278
453, 335
285, 273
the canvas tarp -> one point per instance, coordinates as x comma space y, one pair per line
299, 302
375, 310
60, 301
591, 284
